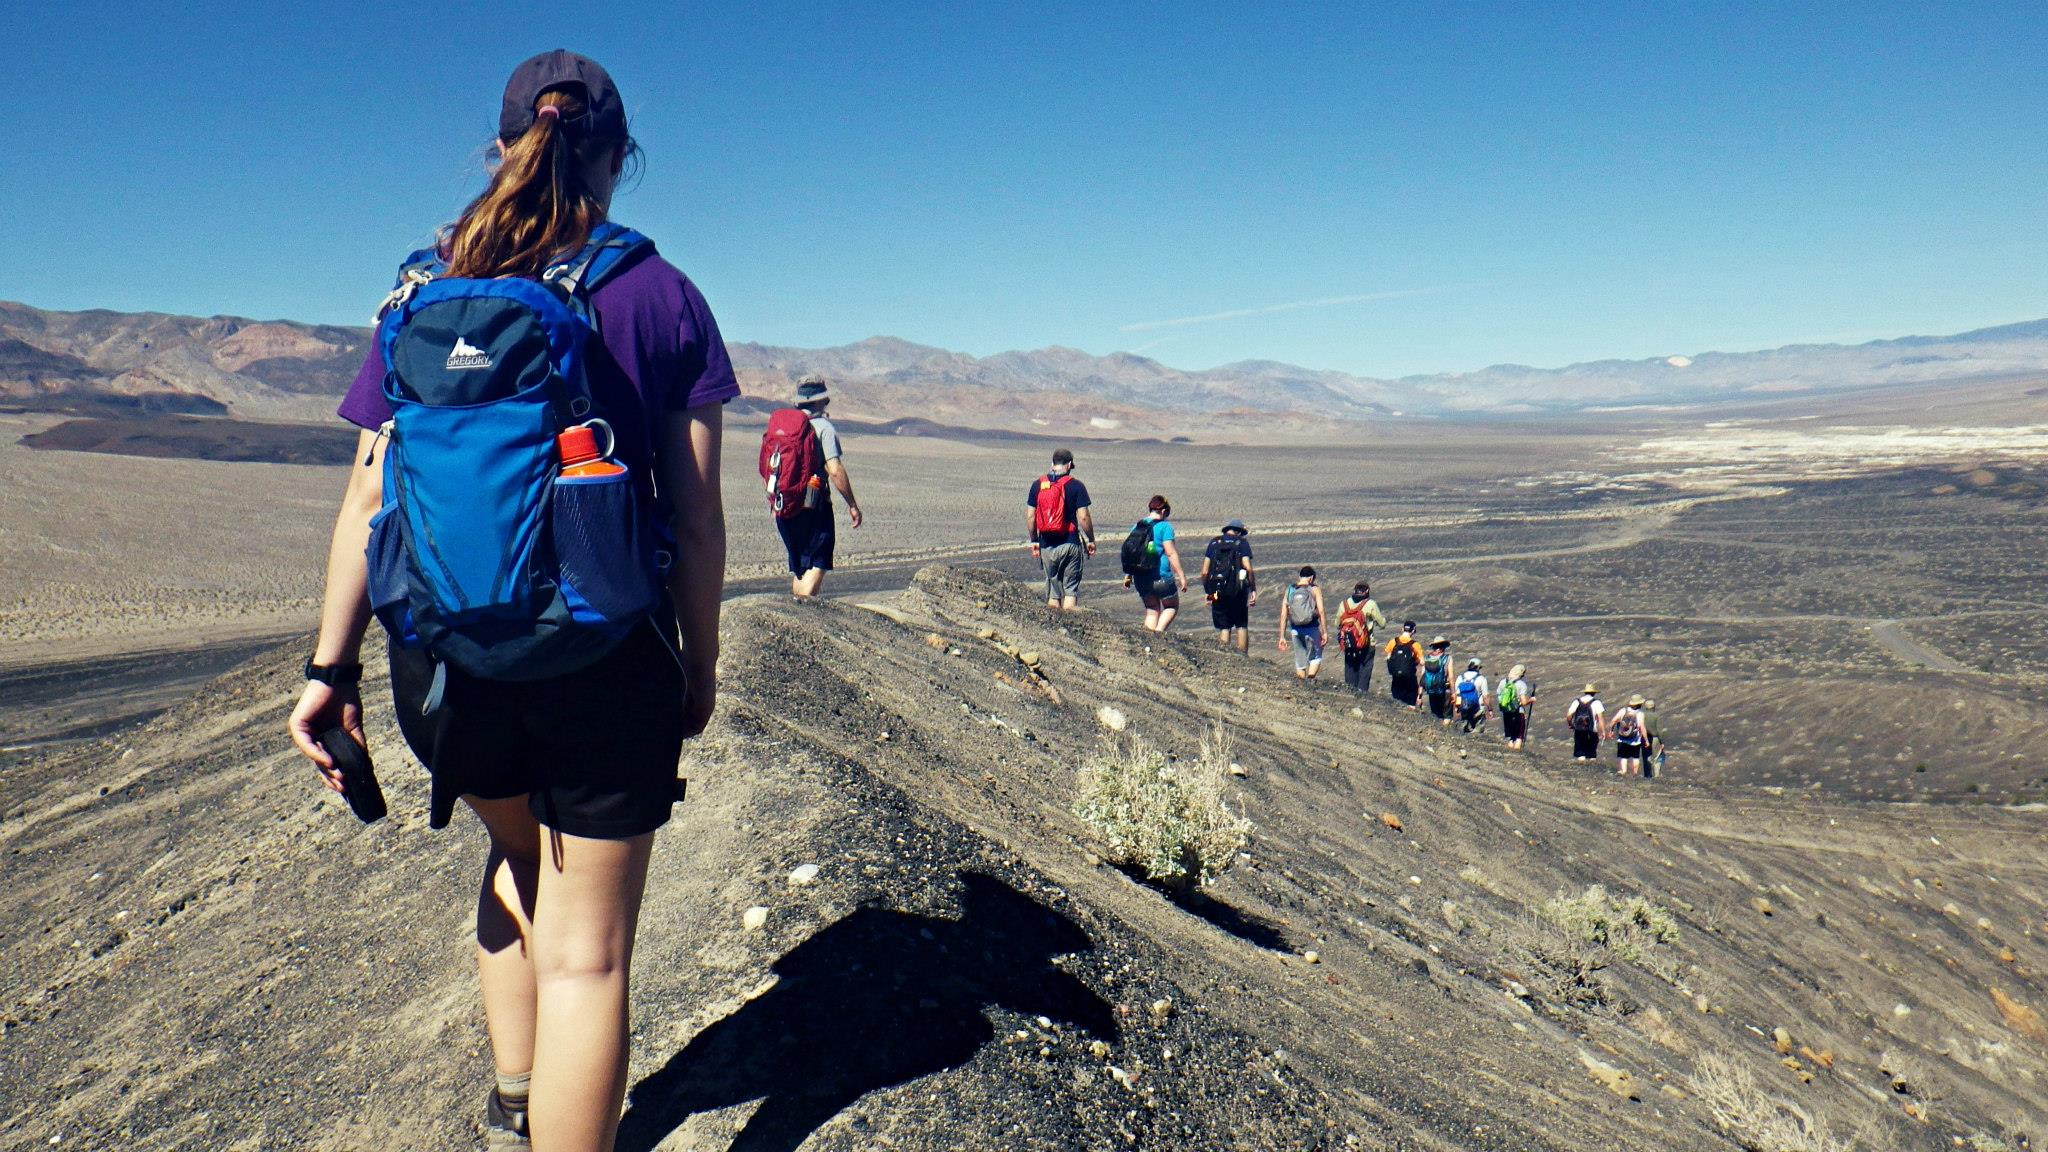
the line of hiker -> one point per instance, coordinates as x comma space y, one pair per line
802, 462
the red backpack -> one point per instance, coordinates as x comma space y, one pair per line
792, 464
1050, 517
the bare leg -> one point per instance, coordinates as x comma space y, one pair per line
504, 928
1243, 639
1166, 618
806, 586
1151, 619
1069, 603
584, 916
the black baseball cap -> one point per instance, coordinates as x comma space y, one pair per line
604, 114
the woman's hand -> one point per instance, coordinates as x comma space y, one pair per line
322, 706
700, 696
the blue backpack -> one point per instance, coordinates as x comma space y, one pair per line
483, 553
1468, 691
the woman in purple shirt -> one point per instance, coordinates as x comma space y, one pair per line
584, 763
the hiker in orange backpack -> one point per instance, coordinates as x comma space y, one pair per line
1062, 531
799, 457
1356, 619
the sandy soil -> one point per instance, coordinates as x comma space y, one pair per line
206, 952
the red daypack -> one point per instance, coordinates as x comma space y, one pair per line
1050, 515
792, 463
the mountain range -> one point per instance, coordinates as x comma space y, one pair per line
100, 361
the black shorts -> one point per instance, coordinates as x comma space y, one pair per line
1515, 725
808, 537
1440, 705
1157, 591
1231, 612
1628, 751
595, 751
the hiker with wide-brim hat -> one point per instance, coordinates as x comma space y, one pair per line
1436, 679
801, 500
1516, 698
570, 773
1587, 719
1230, 581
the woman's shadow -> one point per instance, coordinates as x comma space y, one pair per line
876, 999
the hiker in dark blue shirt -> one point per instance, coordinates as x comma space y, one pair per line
1231, 584
1062, 532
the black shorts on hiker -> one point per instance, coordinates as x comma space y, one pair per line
1440, 705
1585, 745
1158, 592
1403, 688
595, 752
1628, 751
1515, 725
1231, 612
1471, 715
808, 537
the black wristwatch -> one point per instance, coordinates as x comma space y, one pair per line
335, 675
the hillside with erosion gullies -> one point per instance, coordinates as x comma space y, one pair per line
1429, 943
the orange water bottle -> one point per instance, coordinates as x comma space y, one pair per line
580, 454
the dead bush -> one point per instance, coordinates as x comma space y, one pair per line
1627, 928
1755, 1120
1169, 818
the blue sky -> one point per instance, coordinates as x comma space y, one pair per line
1375, 187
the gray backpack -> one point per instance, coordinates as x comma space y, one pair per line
1301, 605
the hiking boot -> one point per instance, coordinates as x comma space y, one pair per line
504, 1125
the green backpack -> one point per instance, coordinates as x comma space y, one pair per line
1510, 696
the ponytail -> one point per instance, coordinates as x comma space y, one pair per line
538, 206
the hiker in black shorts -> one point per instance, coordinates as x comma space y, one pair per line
1231, 584
571, 772
1152, 565
1404, 665
1587, 718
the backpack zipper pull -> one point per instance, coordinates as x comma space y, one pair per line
383, 430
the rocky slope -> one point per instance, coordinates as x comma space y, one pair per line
205, 952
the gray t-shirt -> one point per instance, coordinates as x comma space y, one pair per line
828, 437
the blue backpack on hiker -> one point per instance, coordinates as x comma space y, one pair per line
1468, 691
484, 553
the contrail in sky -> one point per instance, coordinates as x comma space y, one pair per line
1269, 309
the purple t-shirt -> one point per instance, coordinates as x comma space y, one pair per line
661, 353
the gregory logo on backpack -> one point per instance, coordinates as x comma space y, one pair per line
466, 356
484, 553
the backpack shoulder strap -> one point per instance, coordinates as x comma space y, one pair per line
610, 250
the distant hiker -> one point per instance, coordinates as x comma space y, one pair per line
1653, 742
1436, 679
559, 726
1516, 699
1302, 624
1627, 729
1586, 718
1062, 531
1356, 619
1231, 584
1404, 662
806, 445
1475, 704
1151, 565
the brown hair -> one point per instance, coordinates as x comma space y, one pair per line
1160, 506
538, 207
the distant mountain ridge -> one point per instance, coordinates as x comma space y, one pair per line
97, 361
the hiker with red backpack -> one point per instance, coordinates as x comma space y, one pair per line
1231, 584
536, 522
1062, 530
801, 465
1356, 619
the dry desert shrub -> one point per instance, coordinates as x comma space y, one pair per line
1169, 818
1627, 928
1755, 1120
